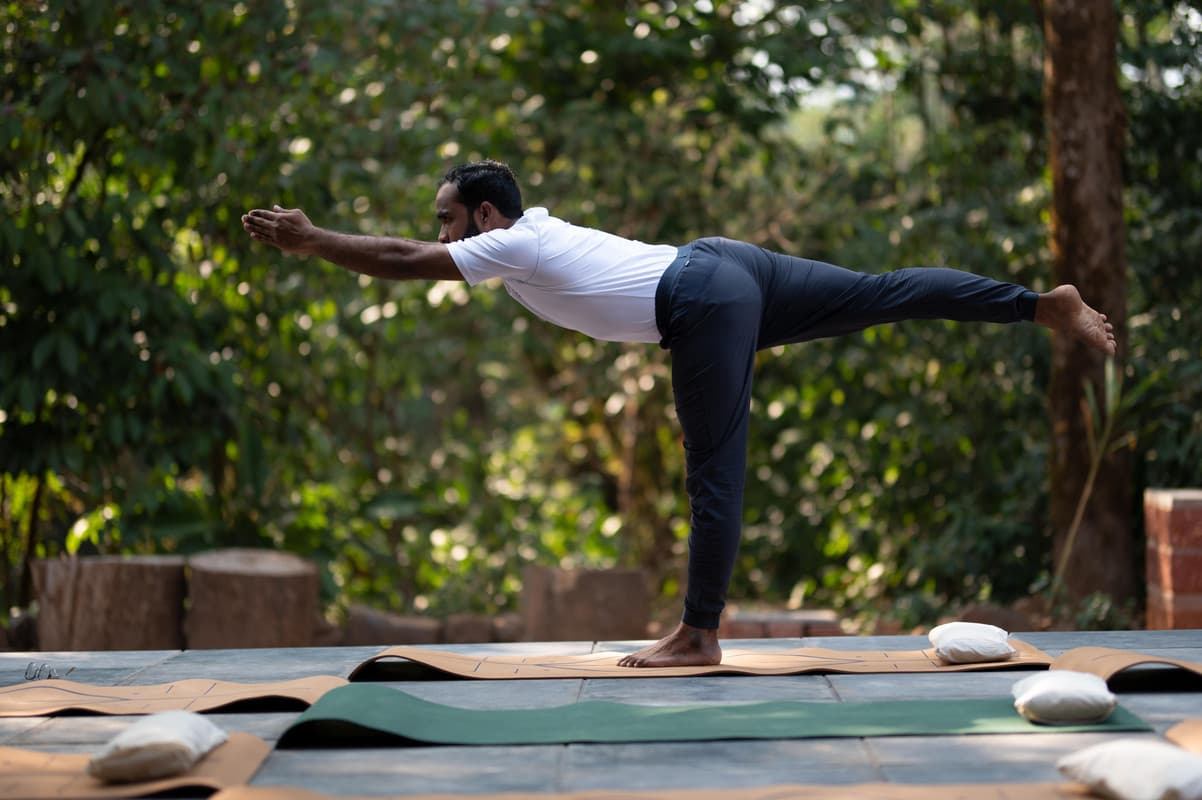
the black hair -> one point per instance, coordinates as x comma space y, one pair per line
486, 180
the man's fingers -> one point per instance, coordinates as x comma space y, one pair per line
258, 225
270, 226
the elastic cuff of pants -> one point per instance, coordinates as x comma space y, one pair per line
699, 619
1026, 305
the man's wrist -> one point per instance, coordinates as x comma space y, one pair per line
314, 243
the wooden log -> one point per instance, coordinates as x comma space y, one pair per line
110, 602
250, 598
366, 625
467, 629
584, 604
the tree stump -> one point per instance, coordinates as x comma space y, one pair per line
584, 604
467, 629
251, 598
110, 603
366, 625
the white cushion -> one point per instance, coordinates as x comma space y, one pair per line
156, 746
970, 643
1063, 697
1136, 769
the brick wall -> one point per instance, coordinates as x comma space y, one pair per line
1173, 522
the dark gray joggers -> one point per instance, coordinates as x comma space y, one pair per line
722, 300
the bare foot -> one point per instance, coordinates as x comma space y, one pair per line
1062, 309
684, 647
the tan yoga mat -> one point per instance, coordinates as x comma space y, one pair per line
410, 663
1186, 734
1108, 662
34, 775
855, 791
39, 698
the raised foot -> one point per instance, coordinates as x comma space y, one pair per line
1063, 310
684, 647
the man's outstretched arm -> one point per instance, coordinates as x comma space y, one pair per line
379, 256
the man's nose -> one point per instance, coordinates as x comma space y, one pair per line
443, 236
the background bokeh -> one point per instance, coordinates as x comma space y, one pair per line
168, 386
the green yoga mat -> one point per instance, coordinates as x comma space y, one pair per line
361, 714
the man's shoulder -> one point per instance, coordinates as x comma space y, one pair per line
536, 216
545, 224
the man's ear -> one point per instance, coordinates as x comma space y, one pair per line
484, 212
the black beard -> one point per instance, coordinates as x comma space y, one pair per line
471, 230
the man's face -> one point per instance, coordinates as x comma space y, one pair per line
454, 221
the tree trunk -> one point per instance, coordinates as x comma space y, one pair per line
1086, 125
110, 602
251, 598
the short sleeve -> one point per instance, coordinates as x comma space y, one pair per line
507, 253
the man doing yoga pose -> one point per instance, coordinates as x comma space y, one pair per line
712, 302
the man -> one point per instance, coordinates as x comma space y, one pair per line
713, 303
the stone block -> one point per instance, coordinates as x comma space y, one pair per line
507, 628
22, 631
825, 628
778, 623
467, 629
784, 629
584, 604
734, 627
372, 626
326, 633
886, 627
1008, 619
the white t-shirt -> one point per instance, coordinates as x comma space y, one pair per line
578, 278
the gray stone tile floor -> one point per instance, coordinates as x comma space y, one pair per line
531, 769
101, 668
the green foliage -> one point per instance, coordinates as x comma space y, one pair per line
167, 386
1164, 212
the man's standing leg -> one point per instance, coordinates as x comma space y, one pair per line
713, 334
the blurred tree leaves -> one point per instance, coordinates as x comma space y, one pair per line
166, 385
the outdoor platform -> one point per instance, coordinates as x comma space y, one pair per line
563, 768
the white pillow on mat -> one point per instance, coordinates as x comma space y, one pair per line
156, 746
1063, 697
970, 643
1136, 769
